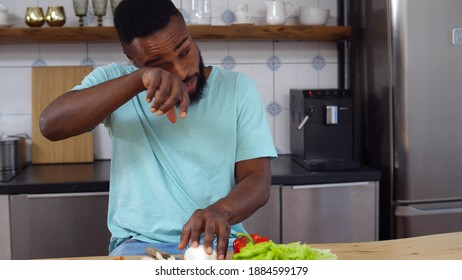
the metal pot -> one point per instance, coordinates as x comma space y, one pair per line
12, 152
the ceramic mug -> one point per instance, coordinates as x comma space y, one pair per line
242, 13
313, 16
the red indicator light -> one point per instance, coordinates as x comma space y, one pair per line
310, 92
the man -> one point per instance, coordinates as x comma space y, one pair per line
174, 181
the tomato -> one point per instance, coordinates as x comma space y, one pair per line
258, 238
239, 243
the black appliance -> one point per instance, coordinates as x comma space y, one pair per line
321, 129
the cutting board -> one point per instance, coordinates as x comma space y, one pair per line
47, 84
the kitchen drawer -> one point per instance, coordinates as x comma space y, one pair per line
59, 225
330, 213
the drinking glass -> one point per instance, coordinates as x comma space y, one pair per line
80, 8
99, 8
55, 16
34, 16
201, 12
114, 4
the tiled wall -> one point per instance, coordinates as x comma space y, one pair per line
276, 66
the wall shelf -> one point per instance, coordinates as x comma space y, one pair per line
30, 35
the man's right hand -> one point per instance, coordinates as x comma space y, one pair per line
166, 89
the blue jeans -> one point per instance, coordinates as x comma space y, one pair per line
133, 247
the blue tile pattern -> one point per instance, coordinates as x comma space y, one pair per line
318, 62
39, 62
228, 62
273, 63
228, 16
185, 15
89, 18
87, 62
274, 108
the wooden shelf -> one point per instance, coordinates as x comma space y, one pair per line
229, 32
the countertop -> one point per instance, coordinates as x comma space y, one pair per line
446, 246
94, 177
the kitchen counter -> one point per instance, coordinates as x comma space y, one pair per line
94, 177
446, 246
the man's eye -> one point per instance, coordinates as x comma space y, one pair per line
185, 53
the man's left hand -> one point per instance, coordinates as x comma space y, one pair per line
211, 222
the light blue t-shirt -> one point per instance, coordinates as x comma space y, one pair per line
162, 172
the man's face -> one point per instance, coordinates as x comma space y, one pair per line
173, 50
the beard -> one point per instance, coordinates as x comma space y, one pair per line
198, 93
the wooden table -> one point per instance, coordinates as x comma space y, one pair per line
447, 246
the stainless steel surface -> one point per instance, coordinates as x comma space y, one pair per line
427, 98
50, 226
410, 99
267, 220
327, 213
428, 218
331, 115
5, 229
12, 152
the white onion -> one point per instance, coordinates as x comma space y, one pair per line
199, 254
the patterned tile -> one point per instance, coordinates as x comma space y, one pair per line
318, 62
87, 62
228, 62
273, 63
39, 62
228, 16
274, 108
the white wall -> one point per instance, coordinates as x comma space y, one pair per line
276, 66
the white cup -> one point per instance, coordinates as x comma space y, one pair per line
313, 16
3, 14
242, 13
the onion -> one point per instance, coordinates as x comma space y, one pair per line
199, 254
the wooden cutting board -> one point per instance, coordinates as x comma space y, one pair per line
47, 84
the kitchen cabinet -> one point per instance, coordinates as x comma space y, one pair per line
5, 229
267, 219
319, 213
330, 213
58, 225
228, 32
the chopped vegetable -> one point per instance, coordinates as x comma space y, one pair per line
199, 253
258, 238
292, 251
245, 238
239, 243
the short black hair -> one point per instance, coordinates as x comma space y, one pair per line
141, 18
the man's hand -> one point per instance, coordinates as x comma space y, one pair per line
167, 90
211, 222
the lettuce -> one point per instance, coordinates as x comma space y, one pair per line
291, 251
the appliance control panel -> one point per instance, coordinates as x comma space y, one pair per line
326, 93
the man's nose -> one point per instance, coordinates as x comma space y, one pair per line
181, 69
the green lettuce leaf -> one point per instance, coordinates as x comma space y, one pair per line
291, 251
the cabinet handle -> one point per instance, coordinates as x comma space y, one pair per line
330, 185
59, 195
429, 209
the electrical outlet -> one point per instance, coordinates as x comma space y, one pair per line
457, 36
